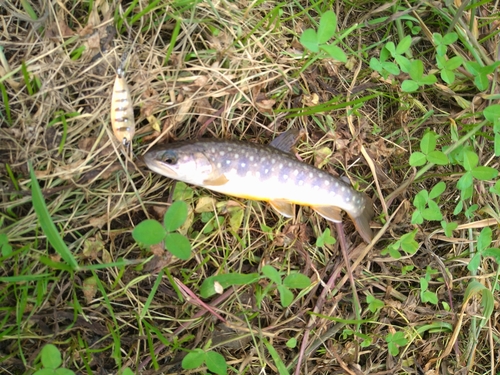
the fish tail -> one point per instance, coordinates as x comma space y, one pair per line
362, 221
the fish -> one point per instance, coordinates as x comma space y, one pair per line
269, 173
122, 113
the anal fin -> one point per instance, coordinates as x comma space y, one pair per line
284, 207
331, 213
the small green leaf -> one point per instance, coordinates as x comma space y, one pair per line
391, 68
437, 190
465, 181
271, 273
175, 216
416, 218
374, 304
216, 363
292, 343
309, 39
432, 213
149, 232
492, 113
494, 253
474, 263
178, 245
417, 159
207, 288
428, 142
193, 359
454, 63
403, 45
484, 239
296, 281
334, 52
408, 243
428, 296
484, 173
450, 38
327, 27
182, 192
286, 296
420, 200
375, 64
404, 63
51, 357
449, 227
470, 160
409, 86
428, 79
438, 157
417, 70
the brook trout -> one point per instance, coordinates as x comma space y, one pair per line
265, 173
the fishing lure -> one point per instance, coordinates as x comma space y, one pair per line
122, 114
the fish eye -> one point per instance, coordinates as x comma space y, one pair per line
169, 157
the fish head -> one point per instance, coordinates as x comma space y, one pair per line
182, 162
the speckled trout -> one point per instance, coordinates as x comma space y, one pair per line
266, 173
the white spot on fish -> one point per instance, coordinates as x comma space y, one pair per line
296, 172
273, 161
289, 164
229, 149
311, 175
243, 165
336, 184
285, 177
342, 188
301, 182
219, 165
228, 162
251, 158
327, 182
236, 156
213, 150
281, 165
266, 170
346, 199
272, 169
222, 153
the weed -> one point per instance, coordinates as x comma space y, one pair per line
214, 361
151, 232
51, 361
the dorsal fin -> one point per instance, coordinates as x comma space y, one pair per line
285, 141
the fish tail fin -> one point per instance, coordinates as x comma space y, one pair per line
362, 221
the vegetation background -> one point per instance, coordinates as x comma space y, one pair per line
400, 97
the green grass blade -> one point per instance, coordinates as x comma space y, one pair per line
47, 224
6, 106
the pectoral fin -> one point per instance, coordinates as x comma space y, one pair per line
218, 180
331, 213
286, 140
284, 207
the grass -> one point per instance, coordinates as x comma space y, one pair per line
399, 97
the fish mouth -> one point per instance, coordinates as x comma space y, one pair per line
157, 166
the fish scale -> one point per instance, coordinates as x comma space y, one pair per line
265, 173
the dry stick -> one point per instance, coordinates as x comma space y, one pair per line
327, 289
343, 246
